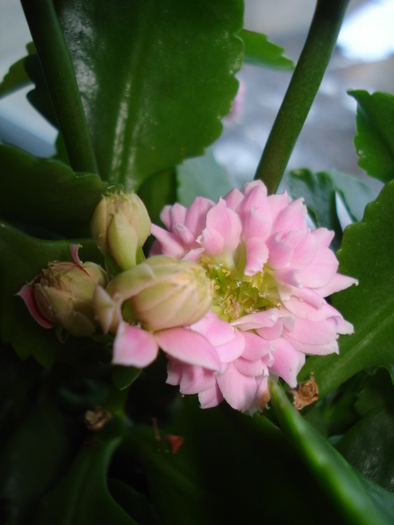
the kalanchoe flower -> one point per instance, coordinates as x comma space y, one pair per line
148, 306
271, 275
120, 227
62, 295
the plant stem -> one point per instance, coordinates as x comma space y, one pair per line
302, 90
60, 77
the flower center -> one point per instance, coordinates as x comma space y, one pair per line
236, 294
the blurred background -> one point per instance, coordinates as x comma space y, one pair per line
363, 59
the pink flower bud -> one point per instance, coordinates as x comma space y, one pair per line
163, 293
62, 295
120, 226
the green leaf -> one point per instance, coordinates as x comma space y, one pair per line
36, 455
202, 177
15, 79
260, 52
366, 253
82, 497
155, 81
375, 133
332, 472
378, 392
157, 191
356, 193
124, 376
368, 446
318, 191
47, 193
134, 503
231, 469
23, 257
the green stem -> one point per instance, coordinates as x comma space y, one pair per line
60, 77
302, 90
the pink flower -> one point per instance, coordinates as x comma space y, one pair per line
271, 275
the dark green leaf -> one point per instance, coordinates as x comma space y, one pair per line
23, 257
47, 193
318, 191
368, 446
383, 499
82, 497
375, 133
260, 52
34, 457
155, 78
332, 472
230, 469
157, 191
378, 392
356, 193
202, 177
134, 503
366, 253
15, 79
124, 376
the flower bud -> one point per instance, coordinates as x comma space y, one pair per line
62, 295
120, 226
163, 293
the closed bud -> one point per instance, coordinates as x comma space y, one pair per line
120, 227
63, 293
163, 293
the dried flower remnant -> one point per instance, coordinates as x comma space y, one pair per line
306, 393
271, 275
97, 418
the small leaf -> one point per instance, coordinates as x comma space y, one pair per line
366, 253
356, 193
82, 497
15, 79
318, 191
47, 193
260, 52
331, 470
202, 177
124, 376
154, 90
375, 133
368, 446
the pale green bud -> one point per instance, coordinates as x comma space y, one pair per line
120, 227
163, 293
63, 294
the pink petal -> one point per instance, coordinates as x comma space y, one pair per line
195, 379
321, 270
256, 347
74, 254
196, 216
290, 218
277, 204
233, 199
184, 234
255, 224
189, 347
331, 347
280, 253
231, 350
211, 241
338, 282
169, 242
225, 222
287, 276
288, 362
174, 372
257, 320
134, 347
256, 256
304, 248
178, 215
251, 368
314, 332
237, 389
256, 201
27, 294
211, 397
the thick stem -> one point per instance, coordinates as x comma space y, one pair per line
302, 90
60, 77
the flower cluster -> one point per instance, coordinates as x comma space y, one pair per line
271, 275
233, 292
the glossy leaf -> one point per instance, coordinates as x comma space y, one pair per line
375, 133
15, 79
366, 253
260, 52
22, 259
330, 469
47, 193
368, 446
231, 469
124, 376
155, 81
204, 177
157, 191
378, 392
356, 193
318, 191
32, 459
82, 497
